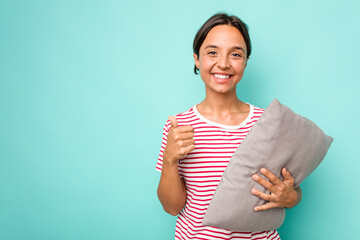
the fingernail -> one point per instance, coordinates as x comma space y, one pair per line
253, 191
263, 170
255, 176
256, 208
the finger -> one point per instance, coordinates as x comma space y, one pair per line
266, 206
186, 128
272, 177
189, 148
266, 197
287, 176
183, 151
188, 142
173, 121
268, 185
185, 136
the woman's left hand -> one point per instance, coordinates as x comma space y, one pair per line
282, 193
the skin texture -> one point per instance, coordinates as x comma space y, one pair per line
222, 62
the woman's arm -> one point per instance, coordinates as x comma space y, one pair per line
171, 190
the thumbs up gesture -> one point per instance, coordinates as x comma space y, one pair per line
180, 141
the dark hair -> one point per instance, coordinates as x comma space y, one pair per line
220, 19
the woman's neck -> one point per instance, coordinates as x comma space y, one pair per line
221, 104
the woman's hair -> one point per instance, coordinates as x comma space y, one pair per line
220, 19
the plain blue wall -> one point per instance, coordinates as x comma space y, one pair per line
86, 86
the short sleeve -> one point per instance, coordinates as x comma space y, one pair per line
163, 145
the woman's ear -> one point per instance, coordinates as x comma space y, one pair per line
196, 60
246, 61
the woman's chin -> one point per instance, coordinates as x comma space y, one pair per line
222, 90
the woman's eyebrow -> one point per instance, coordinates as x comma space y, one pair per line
240, 48
234, 47
211, 46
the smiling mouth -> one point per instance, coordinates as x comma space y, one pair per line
222, 76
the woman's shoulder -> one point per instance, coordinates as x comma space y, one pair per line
187, 113
258, 109
184, 118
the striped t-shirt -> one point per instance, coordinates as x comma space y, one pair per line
202, 169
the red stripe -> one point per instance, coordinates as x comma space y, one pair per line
276, 236
216, 139
257, 233
271, 234
204, 162
191, 153
197, 143
197, 190
219, 166
217, 181
215, 148
189, 158
202, 172
204, 186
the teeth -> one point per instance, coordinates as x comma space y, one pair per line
221, 76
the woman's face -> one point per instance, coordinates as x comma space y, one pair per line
222, 58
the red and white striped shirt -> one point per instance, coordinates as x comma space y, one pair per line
202, 169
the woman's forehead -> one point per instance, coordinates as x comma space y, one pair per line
224, 36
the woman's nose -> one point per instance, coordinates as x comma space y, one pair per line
223, 62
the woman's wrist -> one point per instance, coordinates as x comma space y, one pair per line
170, 162
298, 198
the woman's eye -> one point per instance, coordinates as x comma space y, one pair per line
237, 55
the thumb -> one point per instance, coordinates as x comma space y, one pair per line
287, 176
173, 121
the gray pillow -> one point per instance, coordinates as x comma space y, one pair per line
280, 138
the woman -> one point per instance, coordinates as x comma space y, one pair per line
198, 143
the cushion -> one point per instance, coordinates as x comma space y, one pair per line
280, 138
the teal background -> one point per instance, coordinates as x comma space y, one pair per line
86, 87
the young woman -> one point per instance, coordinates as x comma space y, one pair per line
198, 143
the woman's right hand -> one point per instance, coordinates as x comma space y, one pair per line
172, 190
180, 141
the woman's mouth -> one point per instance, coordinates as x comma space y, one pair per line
221, 78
